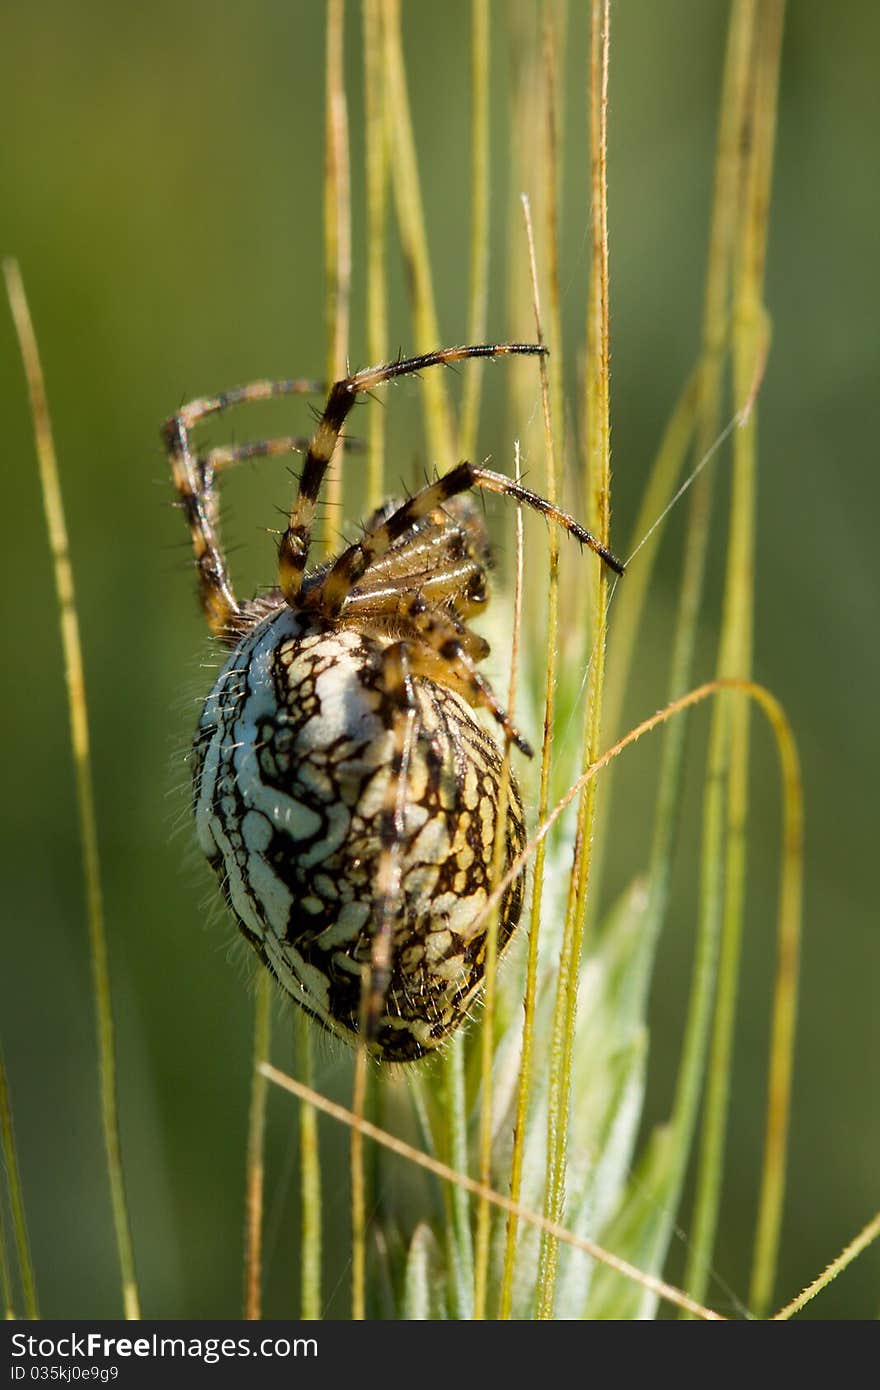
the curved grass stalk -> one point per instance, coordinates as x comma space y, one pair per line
788, 932
729, 741
792, 820
789, 915
79, 738
731, 139
461, 1180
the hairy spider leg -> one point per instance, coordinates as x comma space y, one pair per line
194, 480
445, 558
293, 551
401, 662
329, 594
396, 677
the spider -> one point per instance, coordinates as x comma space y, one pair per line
344, 792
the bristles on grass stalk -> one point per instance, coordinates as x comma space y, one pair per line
530, 996
376, 139
734, 115
337, 233
468, 1184
479, 232
599, 472
866, 1236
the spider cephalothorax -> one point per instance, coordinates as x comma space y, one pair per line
345, 794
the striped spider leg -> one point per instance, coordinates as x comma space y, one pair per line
345, 794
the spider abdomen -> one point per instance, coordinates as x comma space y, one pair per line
293, 756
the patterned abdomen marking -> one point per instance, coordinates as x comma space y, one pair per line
292, 759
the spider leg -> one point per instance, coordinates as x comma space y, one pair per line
402, 710
194, 480
445, 558
442, 649
293, 552
458, 589
330, 593
429, 650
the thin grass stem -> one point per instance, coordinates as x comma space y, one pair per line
866, 1236
6, 1298
413, 239
599, 468
358, 1194
459, 1235
732, 139
487, 1040
729, 741
477, 1189
16, 1207
79, 738
255, 1165
310, 1178
376, 157
337, 233
479, 239
524, 1081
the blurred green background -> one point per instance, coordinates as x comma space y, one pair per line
160, 181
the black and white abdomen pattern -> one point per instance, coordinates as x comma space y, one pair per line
292, 759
